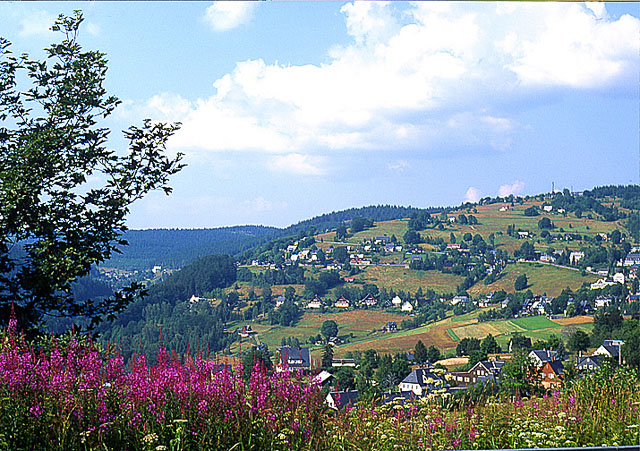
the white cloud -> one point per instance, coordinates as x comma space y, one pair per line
297, 164
472, 195
226, 15
399, 165
36, 23
93, 28
576, 46
515, 188
411, 80
260, 204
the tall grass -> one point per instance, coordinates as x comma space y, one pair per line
70, 394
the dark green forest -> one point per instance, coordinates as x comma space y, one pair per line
175, 248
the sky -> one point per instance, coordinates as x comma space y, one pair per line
294, 109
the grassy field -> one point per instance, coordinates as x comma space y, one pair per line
352, 325
396, 227
401, 278
542, 279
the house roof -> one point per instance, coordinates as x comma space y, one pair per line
323, 376
585, 359
545, 355
423, 377
344, 398
493, 366
399, 397
613, 351
288, 356
556, 366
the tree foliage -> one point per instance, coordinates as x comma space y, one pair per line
50, 144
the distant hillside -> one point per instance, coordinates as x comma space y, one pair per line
375, 212
175, 248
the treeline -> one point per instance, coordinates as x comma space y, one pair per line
165, 314
374, 212
175, 248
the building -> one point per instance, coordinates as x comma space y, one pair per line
407, 307
246, 331
343, 362
618, 278
391, 326
540, 357
290, 358
315, 303
422, 381
588, 363
459, 300
399, 397
369, 300
633, 258
552, 374
338, 400
342, 302
481, 371
396, 301
611, 348
601, 283
575, 257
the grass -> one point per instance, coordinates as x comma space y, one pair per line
401, 278
542, 279
534, 322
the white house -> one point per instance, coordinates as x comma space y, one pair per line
342, 302
316, 302
422, 381
618, 278
611, 348
601, 283
407, 307
459, 299
547, 208
396, 301
602, 301
540, 357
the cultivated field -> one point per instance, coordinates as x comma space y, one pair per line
401, 278
542, 279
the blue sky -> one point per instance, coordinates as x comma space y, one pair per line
293, 109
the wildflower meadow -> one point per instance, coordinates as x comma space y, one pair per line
69, 393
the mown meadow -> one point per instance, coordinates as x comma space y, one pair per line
67, 393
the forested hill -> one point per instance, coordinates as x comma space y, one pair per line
175, 248
374, 212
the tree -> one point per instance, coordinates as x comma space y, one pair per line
329, 329
340, 254
50, 144
518, 374
521, 282
327, 356
578, 341
433, 354
412, 237
467, 345
489, 345
255, 357
531, 211
420, 352
545, 223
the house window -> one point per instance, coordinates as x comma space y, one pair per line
551, 376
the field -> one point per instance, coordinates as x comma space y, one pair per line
542, 279
362, 329
401, 278
352, 325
